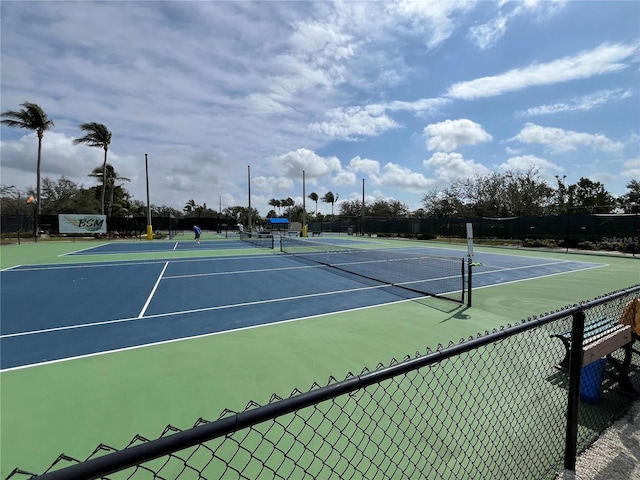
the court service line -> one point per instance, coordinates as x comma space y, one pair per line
509, 269
104, 263
203, 335
236, 272
175, 246
532, 278
197, 310
144, 309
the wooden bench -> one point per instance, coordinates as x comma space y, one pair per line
592, 328
602, 337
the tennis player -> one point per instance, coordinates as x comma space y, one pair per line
197, 232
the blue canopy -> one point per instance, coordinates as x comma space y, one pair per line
278, 221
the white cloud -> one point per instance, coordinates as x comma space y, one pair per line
559, 140
486, 35
371, 120
314, 166
59, 158
524, 162
632, 168
345, 178
208, 87
271, 184
451, 166
394, 175
581, 103
604, 59
451, 134
364, 165
433, 19
353, 122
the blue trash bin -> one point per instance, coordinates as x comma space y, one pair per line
591, 381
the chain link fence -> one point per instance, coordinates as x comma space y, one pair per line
500, 406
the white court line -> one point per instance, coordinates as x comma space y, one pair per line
104, 263
134, 252
153, 291
236, 272
175, 246
196, 310
532, 278
10, 268
524, 267
83, 250
194, 337
71, 327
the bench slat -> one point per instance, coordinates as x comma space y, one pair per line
610, 341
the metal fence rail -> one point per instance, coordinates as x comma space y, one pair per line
495, 406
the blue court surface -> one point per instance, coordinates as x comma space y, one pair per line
54, 312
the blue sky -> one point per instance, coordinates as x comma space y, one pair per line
408, 96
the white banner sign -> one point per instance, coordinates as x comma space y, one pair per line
75, 223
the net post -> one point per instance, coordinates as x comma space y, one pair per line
469, 262
469, 282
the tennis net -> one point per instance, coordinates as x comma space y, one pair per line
426, 274
264, 240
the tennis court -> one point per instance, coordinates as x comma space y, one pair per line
102, 343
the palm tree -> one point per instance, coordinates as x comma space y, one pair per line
329, 197
31, 117
314, 197
112, 178
288, 202
97, 135
275, 203
190, 207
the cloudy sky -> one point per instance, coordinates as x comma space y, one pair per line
405, 95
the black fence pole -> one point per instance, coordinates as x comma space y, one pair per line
575, 365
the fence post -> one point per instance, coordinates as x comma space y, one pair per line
575, 366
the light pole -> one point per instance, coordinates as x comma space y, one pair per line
304, 206
149, 226
249, 192
362, 220
634, 237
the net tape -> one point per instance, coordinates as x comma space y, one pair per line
425, 274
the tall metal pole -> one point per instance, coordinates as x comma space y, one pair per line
634, 237
304, 206
249, 183
362, 222
149, 226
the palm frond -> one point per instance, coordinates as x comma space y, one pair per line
97, 135
31, 117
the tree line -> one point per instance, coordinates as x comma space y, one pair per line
498, 194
